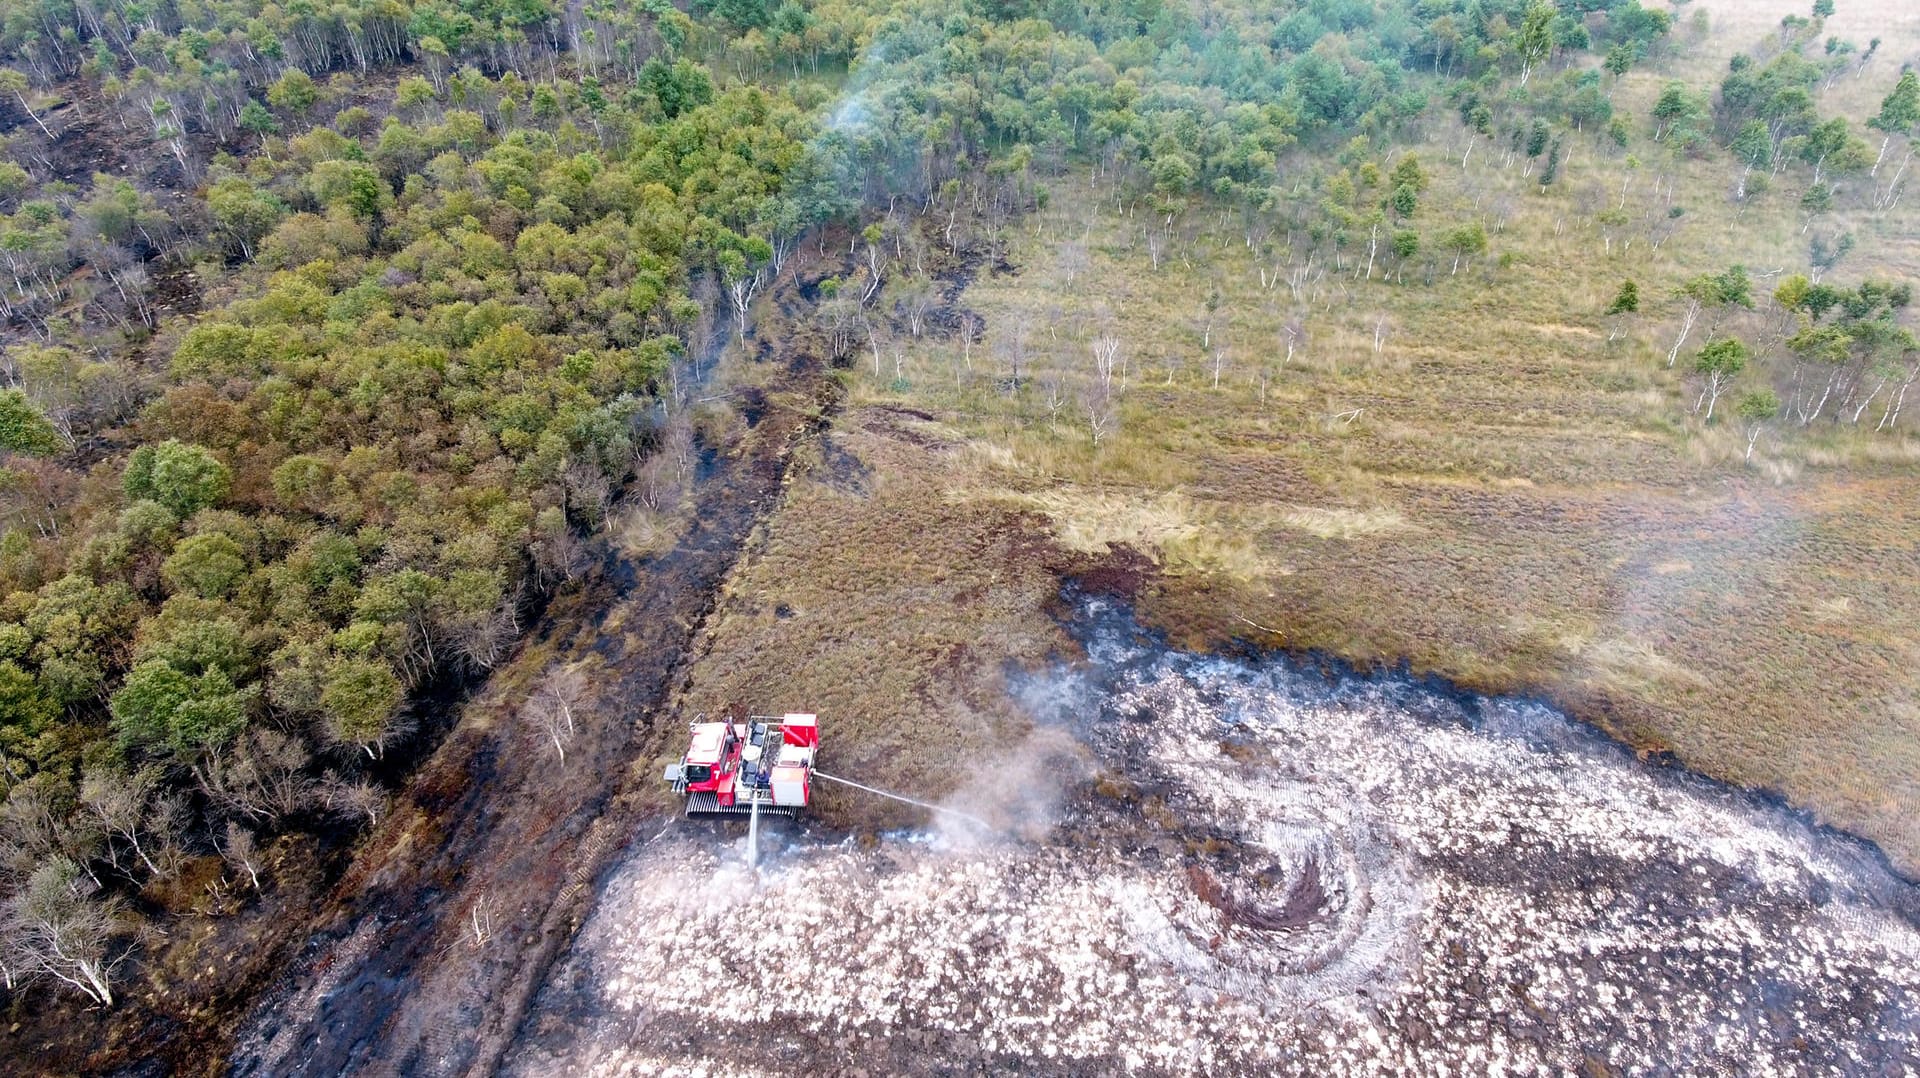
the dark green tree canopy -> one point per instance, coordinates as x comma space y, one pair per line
184, 478
23, 429
1625, 301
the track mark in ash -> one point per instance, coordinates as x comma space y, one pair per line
1267, 870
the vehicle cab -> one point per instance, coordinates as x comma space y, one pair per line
712, 763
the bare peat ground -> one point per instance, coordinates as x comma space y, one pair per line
1281, 869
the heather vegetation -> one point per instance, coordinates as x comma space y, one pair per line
338, 340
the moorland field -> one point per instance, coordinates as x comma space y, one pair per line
415, 411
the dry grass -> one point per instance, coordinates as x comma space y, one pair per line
1497, 492
889, 609
641, 532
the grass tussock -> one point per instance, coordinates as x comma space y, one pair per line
641, 532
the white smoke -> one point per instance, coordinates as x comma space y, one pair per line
1018, 793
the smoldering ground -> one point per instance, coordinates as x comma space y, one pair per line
1267, 869
1015, 794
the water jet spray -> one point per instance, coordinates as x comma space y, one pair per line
969, 817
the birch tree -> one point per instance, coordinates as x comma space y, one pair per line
352, 799
52, 927
1465, 242
1899, 114
124, 805
1625, 302
362, 699
1534, 41
15, 83
1100, 405
1719, 363
240, 852
1293, 336
1756, 408
561, 690
1710, 291
1106, 360
554, 702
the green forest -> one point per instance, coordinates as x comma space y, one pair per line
337, 335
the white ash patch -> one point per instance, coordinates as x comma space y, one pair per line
1022, 950
1376, 879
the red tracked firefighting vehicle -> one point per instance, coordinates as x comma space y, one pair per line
736, 768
